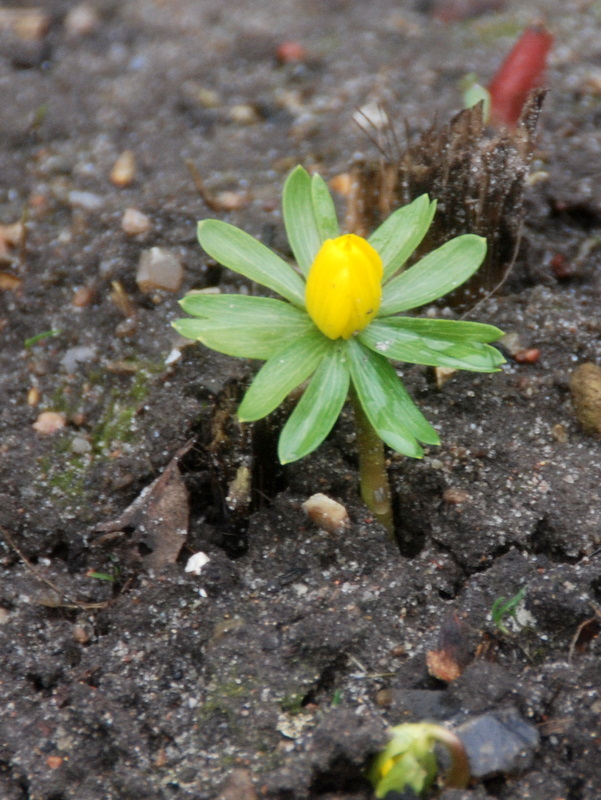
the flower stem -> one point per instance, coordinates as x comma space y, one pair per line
373, 477
458, 774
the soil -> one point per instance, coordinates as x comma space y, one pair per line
276, 671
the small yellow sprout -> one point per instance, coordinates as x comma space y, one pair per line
409, 760
344, 286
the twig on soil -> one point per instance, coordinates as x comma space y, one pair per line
200, 187
357, 662
210, 200
364, 673
222, 201
23, 237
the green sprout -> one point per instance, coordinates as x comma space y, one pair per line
101, 576
338, 325
337, 697
110, 577
502, 608
33, 340
474, 93
409, 760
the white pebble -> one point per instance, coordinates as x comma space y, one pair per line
159, 269
135, 222
197, 562
80, 354
87, 201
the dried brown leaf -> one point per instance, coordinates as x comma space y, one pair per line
158, 516
452, 656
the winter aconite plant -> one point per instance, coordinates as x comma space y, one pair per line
409, 763
338, 325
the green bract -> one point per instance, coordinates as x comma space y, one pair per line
282, 333
407, 760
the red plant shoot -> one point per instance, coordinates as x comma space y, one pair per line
522, 71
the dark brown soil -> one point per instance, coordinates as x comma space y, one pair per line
276, 671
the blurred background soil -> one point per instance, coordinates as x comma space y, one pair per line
275, 672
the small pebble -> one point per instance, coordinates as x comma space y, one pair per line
6, 258
29, 24
122, 367
342, 184
186, 775
243, 114
384, 698
562, 268
80, 354
291, 52
81, 20
87, 201
231, 201
134, 222
124, 169
511, 343
80, 446
196, 563
455, 497
12, 234
34, 396
326, 513
372, 115
49, 422
126, 328
225, 627
38, 366
591, 82
81, 634
174, 355
208, 98
82, 297
159, 269
585, 385
529, 355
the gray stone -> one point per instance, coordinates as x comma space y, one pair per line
500, 741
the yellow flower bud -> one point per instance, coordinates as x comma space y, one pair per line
344, 286
387, 765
